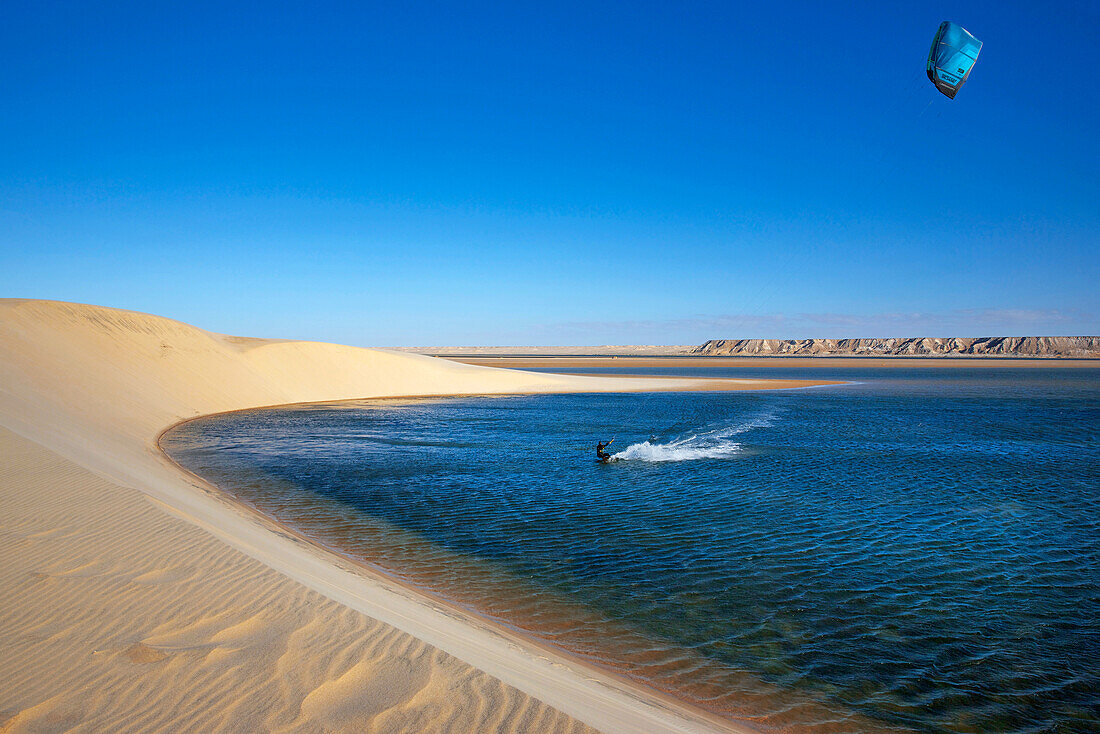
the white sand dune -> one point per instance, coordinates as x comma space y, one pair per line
136, 597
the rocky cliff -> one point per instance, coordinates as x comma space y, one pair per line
988, 346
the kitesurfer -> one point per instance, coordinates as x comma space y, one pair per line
600, 453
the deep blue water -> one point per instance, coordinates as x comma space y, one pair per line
918, 549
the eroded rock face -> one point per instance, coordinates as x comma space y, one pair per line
987, 346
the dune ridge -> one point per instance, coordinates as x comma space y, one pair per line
137, 597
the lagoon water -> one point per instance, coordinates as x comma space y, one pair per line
917, 549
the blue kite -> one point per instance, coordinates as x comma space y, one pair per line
953, 54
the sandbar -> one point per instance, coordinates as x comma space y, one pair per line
137, 597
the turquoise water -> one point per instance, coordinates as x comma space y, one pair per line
917, 549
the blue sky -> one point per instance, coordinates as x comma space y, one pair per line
403, 174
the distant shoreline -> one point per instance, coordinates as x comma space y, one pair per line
529, 361
988, 347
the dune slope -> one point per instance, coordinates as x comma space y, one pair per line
118, 616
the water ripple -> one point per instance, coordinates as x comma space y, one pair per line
917, 551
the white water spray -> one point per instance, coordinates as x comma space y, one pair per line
716, 443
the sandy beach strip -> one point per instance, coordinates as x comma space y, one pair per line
136, 597
627, 362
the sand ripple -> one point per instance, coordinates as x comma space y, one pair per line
103, 628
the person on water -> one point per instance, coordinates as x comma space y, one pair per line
600, 453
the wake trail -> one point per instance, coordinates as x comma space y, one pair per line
716, 443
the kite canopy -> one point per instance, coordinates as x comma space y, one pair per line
953, 54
